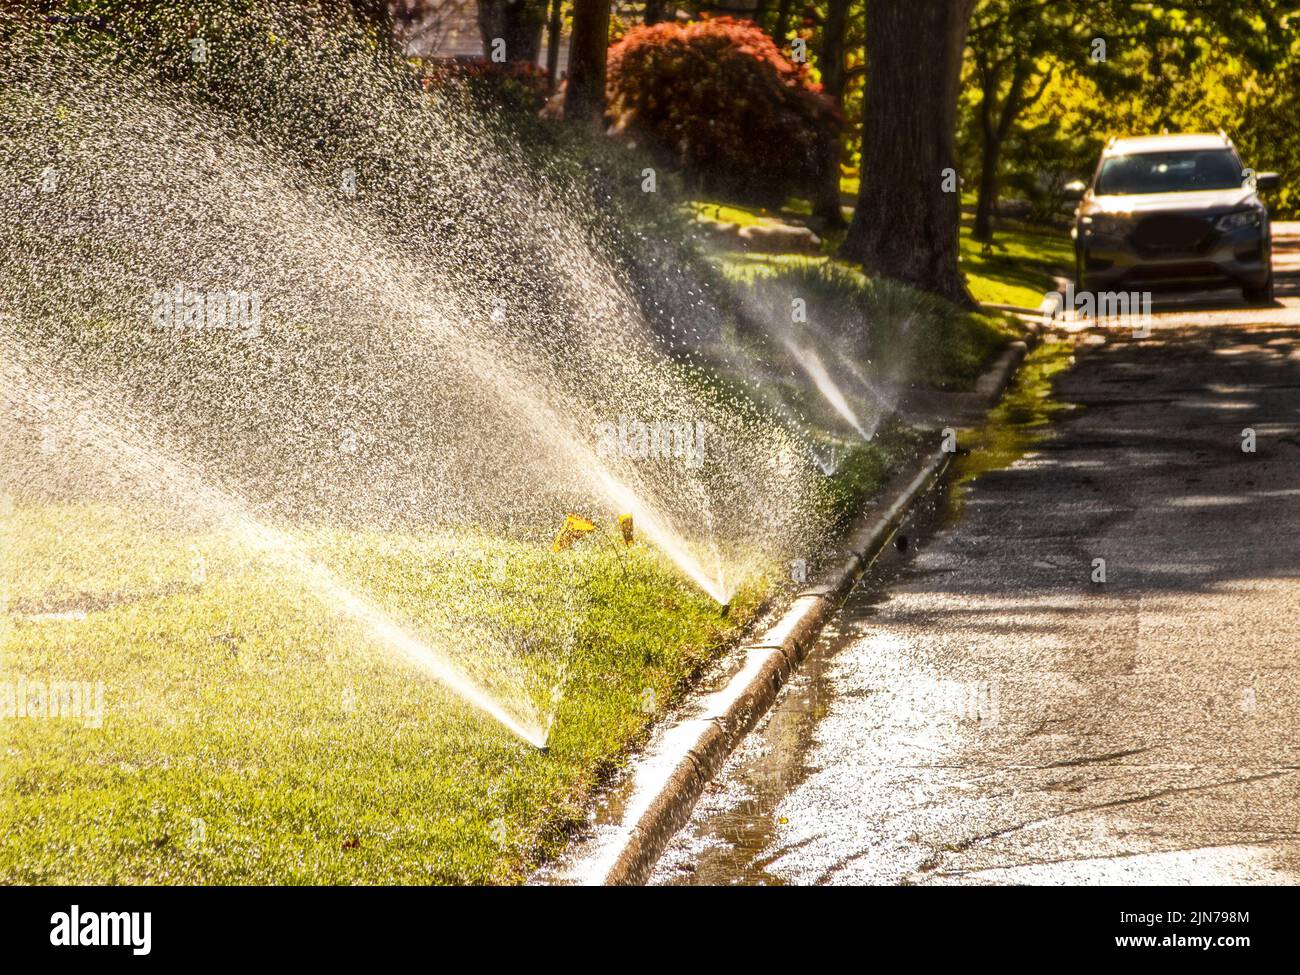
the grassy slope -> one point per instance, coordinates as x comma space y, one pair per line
1018, 270
252, 736
956, 344
1020, 267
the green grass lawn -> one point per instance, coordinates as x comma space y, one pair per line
252, 734
708, 210
1018, 268
914, 338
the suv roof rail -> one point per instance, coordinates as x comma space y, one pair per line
1224, 136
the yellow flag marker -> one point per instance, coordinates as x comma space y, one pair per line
574, 527
625, 526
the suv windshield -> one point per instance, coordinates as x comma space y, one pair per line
1170, 172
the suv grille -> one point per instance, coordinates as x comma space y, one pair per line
1170, 234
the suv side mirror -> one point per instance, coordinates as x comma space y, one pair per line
1076, 188
1267, 181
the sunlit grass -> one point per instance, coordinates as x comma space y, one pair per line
944, 346
252, 735
1018, 268
727, 213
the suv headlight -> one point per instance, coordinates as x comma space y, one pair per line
1112, 226
1238, 220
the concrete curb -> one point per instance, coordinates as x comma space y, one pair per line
1018, 309
997, 377
1048, 309
671, 775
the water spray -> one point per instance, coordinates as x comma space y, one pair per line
129, 450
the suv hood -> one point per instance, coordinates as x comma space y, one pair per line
1208, 200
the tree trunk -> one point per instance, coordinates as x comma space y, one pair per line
989, 79
994, 136
654, 12
517, 22
585, 96
987, 195
553, 45
826, 204
782, 23
905, 226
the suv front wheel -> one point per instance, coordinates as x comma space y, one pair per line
1261, 294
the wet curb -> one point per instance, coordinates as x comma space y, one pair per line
672, 774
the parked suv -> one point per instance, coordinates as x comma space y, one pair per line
1173, 210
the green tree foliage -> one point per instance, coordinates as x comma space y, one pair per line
1042, 94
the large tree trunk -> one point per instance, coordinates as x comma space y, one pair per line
517, 22
584, 98
905, 226
654, 11
826, 204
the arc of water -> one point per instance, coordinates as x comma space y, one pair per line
546, 419
812, 365
130, 446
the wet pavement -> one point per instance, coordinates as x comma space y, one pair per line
986, 709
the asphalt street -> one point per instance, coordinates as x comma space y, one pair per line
989, 707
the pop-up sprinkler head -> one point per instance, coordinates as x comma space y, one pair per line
726, 608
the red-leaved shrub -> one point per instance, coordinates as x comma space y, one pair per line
721, 98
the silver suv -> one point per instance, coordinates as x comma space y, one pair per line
1173, 210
